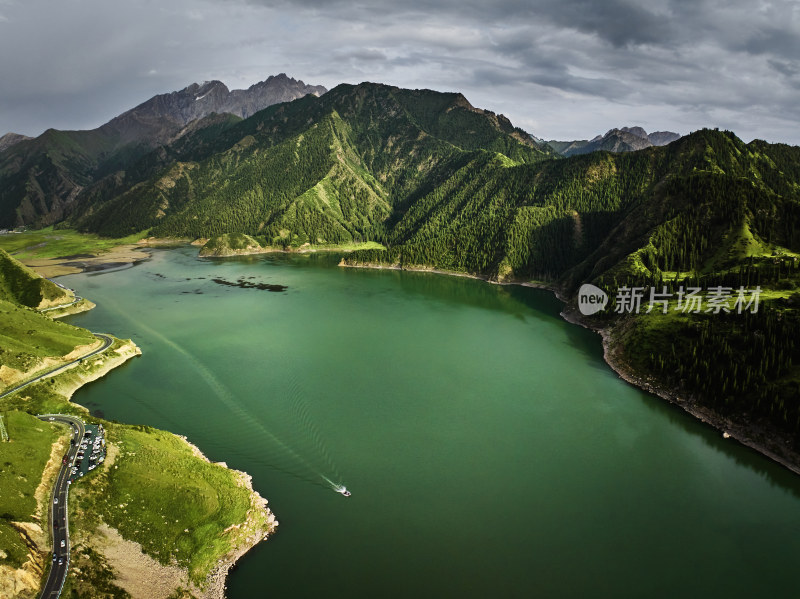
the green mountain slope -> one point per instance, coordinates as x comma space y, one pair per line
39, 177
317, 170
29, 340
19, 284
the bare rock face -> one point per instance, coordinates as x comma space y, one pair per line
10, 139
662, 138
627, 139
161, 116
280, 88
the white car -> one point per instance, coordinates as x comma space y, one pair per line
63, 543
55, 500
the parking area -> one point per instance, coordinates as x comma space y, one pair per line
91, 451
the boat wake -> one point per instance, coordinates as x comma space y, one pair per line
338, 487
285, 458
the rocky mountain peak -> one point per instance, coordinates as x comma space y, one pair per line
625, 139
160, 117
637, 131
10, 139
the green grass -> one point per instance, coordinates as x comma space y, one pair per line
160, 495
22, 461
164, 490
12, 545
739, 244
19, 284
27, 336
50, 243
347, 247
231, 241
239, 241
48, 395
651, 335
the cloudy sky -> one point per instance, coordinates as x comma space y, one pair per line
563, 69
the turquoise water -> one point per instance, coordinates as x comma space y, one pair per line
489, 449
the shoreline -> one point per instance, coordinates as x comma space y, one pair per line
770, 444
218, 575
121, 256
260, 522
231, 253
215, 581
727, 428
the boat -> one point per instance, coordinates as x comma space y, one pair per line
343, 490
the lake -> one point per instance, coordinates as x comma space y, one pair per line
489, 449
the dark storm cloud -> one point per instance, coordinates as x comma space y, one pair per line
559, 68
785, 68
774, 41
616, 21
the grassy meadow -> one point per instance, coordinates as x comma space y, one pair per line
59, 243
27, 336
22, 462
158, 493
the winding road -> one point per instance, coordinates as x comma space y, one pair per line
72, 303
77, 299
107, 341
59, 520
59, 516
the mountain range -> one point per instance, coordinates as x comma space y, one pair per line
627, 139
40, 178
443, 184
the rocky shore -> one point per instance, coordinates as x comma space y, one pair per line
761, 437
258, 526
253, 532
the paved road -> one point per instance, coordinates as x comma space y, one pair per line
59, 523
59, 518
77, 298
107, 341
72, 303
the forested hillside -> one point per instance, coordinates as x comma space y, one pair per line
333, 169
41, 178
442, 184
